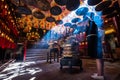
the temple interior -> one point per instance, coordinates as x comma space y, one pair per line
47, 39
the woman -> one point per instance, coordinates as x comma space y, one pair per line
95, 37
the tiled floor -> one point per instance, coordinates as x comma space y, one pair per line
41, 70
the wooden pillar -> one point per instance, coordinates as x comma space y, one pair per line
119, 2
116, 21
25, 49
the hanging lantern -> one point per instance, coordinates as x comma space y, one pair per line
93, 2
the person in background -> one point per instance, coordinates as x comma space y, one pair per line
95, 36
112, 48
54, 50
60, 44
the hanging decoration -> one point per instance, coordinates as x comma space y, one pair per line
81, 11
37, 13
23, 10
93, 2
108, 10
61, 2
75, 20
67, 24
72, 4
55, 10
50, 19
58, 22
43, 5
103, 5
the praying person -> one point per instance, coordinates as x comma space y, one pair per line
95, 36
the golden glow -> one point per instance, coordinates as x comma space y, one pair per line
106, 21
12, 21
82, 43
6, 36
109, 31
33, 35
2, 34
5, 6
44, 31
12, 9
8, 12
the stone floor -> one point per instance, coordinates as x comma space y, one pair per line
41, 70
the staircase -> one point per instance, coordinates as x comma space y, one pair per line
36, 54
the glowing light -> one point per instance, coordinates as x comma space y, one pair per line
8, 12
109, 31
33, 78
18, 68
5, 6
2, 34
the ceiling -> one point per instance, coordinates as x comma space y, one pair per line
32, 15
39, 13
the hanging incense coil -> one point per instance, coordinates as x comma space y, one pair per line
50, 19
93, 2
67, 24
59, 22
61, 2
23, 10
108, 10
72, 4
30, 2
56, 10
75, 20
103, 5
81, 11
43, 5
37, 13
111, 15
116, 6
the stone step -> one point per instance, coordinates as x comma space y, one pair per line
37, 50
35, 58
36, 54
